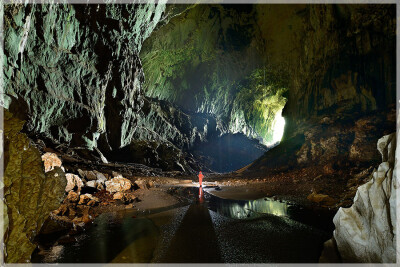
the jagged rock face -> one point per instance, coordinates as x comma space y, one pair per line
238, 63
76, 75
366, 232
331, 143
340, 58
209, 60
30, 193
74, 70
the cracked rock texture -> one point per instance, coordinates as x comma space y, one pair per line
30, 193
74, 72
209, 59
366, 232
65, 64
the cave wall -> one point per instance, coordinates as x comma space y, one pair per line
341, 96
340, 58
323, 59
29, 193
73, 71
75, 74
209, 59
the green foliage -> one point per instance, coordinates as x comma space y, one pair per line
260, 97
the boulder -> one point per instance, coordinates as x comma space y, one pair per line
30, 194
366, 232
50, 161
115, 174
90, 176
72, 196
124, 197
73, 182
321, 199
86, 198
92, 184
118, 196
142, 184
100, 177
81, 173
118, 184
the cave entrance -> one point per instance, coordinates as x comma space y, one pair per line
278, 128
228, 152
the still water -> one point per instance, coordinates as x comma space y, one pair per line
130, 236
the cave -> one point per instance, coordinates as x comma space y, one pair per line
198, 133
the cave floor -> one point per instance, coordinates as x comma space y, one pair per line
178, 222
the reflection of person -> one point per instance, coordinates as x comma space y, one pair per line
201, 195
200, 179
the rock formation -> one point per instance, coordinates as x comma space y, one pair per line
74, 73
366, 232
209, 59
65, 64
30, 193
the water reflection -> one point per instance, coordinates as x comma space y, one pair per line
112, 237
241, 209
201, 195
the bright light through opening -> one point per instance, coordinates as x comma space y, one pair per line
279, 126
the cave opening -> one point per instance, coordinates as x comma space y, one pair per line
195, 65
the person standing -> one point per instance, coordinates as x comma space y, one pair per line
201, 179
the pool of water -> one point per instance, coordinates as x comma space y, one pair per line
133, 236
248, 209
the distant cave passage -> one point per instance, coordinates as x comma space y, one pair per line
229, 152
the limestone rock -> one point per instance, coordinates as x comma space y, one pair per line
115, 174
90, 176
51, 160
100, 177
366, 232
142, 184
118, 195
118, 184
86, 198
29, 193
73, 182
124, 197
92, 184
62, 210
92, 202
321, 199
83, 199
72, 196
